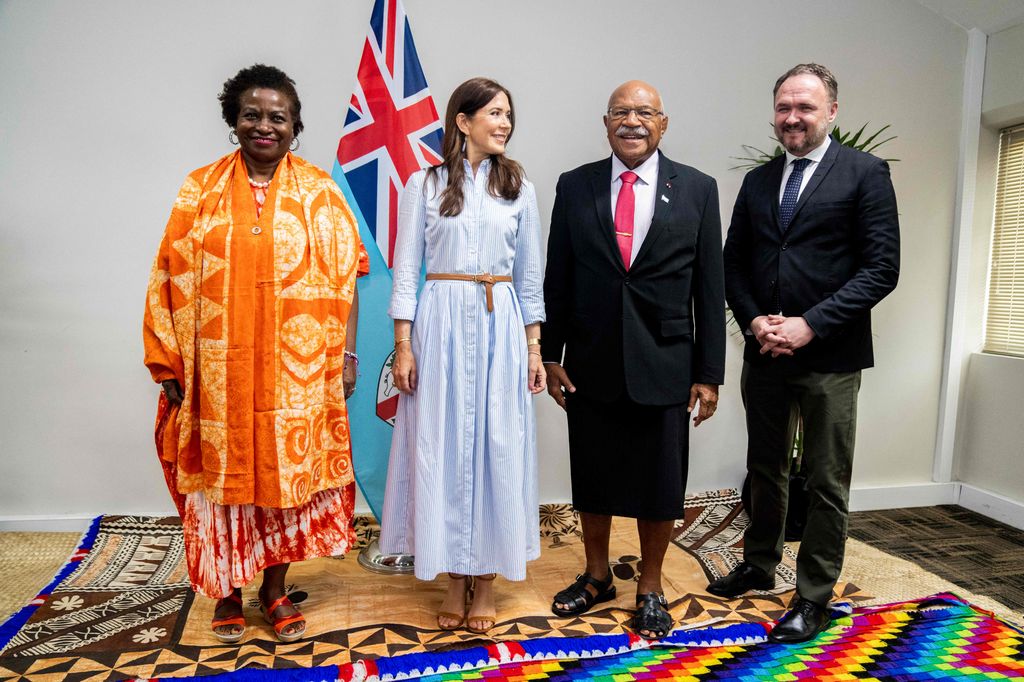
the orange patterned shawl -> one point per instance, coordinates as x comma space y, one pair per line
249, 315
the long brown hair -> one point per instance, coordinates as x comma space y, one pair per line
506, 177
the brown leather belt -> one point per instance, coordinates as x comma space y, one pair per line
487, 279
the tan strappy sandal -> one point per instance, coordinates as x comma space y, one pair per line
457, 618
488, 617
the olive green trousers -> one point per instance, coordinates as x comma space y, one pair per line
778, 395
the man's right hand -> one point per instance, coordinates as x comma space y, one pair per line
558, 383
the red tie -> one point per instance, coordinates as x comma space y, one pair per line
624, 209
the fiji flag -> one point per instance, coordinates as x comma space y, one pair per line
391, 130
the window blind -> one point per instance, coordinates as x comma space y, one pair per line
1004, 324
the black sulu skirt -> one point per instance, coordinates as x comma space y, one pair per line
627, 459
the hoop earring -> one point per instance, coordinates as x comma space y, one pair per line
294, 146
232, 137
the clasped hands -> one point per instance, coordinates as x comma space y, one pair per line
781, 335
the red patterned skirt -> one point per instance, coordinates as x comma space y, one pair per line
227, 545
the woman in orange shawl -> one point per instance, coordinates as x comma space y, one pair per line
250, 328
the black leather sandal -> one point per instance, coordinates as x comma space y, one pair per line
579, 599
652, 616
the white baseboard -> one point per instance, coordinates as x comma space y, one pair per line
45, 524
992, 505
901, 496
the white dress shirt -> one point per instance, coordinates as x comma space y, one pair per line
814, 156
644, 195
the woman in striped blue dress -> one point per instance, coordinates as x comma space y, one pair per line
462, 478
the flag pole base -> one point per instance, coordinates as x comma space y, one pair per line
374, 561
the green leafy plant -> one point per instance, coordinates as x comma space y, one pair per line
755, 156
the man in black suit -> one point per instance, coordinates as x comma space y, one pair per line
635, 298
813, 246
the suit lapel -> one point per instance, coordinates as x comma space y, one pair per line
601, 183
665, 193
824, 166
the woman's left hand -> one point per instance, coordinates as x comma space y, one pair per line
348, 376
536, 376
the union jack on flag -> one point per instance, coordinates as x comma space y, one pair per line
391, 128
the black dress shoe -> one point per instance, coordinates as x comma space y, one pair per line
743, 578
803, 622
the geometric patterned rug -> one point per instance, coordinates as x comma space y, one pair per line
712, 531
122, 606
941, 637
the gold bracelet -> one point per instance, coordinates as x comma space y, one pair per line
404, 338
533, 342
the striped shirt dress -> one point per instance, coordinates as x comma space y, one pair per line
462, 477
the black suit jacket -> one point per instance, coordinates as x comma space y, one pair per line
839, 257
650, 332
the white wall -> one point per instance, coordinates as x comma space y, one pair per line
990, 453
993, 456
1004, 88
107, 105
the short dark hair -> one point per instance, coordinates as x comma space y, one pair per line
826, 76
258, 76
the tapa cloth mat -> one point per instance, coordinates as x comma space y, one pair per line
123, 602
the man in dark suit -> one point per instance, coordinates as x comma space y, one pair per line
813, 246
635, 299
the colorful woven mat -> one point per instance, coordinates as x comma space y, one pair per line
122, 606
938, 638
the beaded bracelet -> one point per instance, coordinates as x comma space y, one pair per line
355, 358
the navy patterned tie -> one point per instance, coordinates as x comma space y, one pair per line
791, 193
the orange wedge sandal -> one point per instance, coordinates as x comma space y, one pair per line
284, 621
229, 637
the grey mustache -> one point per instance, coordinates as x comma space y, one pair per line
631, 130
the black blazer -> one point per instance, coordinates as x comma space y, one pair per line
652, 331
839, 257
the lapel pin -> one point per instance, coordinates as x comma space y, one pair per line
664, 198
668, 184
